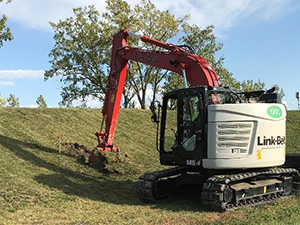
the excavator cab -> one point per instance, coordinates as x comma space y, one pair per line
183, 134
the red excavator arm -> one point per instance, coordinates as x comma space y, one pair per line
196, 70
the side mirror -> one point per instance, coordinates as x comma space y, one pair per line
152, 107
154, 117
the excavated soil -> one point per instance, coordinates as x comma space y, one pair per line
80, 152
106, 162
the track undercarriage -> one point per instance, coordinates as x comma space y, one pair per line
223, 192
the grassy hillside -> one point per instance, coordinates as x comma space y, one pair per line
39, 185
293, 131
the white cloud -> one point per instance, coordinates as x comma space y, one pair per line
6, 83
93, 102
222, 13
37, 14
19, 74
90, 102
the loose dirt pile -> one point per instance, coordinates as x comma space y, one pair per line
106, 162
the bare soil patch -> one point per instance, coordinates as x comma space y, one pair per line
106, 162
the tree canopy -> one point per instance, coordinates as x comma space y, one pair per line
41, 102
13, 101
82, 50
5, 33
203, 42
79, 55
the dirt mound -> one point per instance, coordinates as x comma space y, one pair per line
80, 152
107, 162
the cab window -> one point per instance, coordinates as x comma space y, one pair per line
192, 119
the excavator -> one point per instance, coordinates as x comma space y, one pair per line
208, 135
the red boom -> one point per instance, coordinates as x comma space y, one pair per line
198, 72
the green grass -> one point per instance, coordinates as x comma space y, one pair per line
293, 131
40, 186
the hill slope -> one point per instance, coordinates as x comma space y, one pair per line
293, 131
39, 185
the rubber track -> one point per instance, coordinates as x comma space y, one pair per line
146, 182
213, 190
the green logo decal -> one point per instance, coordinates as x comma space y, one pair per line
274, 111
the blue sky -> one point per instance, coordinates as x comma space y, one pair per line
261, 41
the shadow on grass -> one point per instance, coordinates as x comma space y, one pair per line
111, 189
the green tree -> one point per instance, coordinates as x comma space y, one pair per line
279, 90
13, 101
172, 82
5, 34
41, 102
151, 22
128, 92
119, 16
250, 85
82, 50
203, 42
79, 56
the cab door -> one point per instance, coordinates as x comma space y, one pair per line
191, 125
